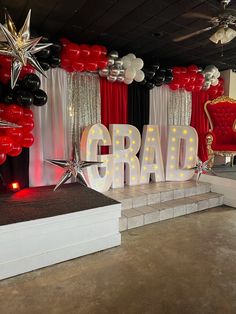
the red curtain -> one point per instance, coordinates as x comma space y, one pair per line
199, 121
114, 102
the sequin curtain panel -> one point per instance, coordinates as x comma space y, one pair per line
158, 114
85, 102
179, 107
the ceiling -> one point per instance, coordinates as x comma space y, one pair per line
145, 27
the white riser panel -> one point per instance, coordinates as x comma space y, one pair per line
23, 245
30, 263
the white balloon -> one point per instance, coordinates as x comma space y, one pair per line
130, 73
214, 82
217, 74
126, 62
131, 56
127, 81
139, 77
137, 63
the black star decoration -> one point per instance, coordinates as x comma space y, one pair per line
73, 168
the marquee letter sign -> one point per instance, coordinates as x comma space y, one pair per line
123, 166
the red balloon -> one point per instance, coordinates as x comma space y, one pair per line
3, 158
102, 63
91, 66
197, 88
26, 123
13, 113
2, 111
28, 113
78, 66
6, 144
200, 78
65, 61
26, 70
193, 68
5, 75
185, 78
15, 151
173, 86
183, 70
27, 140
72, 51
96, 51
85, 50
103, 50
176, 70
193, 77
189, 87
5, 62
15, 133
64, 41
221, 81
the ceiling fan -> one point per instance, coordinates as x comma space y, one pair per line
225, 19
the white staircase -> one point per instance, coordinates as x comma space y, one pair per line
154, 202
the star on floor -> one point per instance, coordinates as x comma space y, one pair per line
73, 168
203, 167
20, 46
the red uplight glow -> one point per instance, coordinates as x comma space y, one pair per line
14, 186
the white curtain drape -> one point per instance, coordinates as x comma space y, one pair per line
73, 103
169, 108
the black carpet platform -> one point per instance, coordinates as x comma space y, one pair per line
42, 202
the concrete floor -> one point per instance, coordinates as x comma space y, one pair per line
184, 265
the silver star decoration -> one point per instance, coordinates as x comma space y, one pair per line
20, 46
7, 124
73, 168
203, 167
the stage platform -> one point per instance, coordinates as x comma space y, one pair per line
39, 227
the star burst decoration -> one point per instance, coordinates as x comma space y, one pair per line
20, 46
73, 168
7, 124
203, 167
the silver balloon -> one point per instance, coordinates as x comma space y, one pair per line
122, 71
120, 79
111, 61
206, 85
114, 54
114, 70
119, 62
208, 75
111, 78
104, 72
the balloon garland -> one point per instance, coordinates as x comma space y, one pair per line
80, 58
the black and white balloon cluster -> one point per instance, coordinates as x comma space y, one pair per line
124, 70
114, 71
156, 76
133, 68
212, 75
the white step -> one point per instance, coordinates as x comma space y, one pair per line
140, 216
154, 202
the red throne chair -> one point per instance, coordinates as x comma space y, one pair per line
221, 137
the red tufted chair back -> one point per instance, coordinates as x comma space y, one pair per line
222, 118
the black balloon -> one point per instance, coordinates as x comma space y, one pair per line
44, 54
155, 65
150, 85
45, 65
144, 81
40, 98
149, 73
31, 82
168, 77
8, 97
56, 48
23, 97
55, 61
